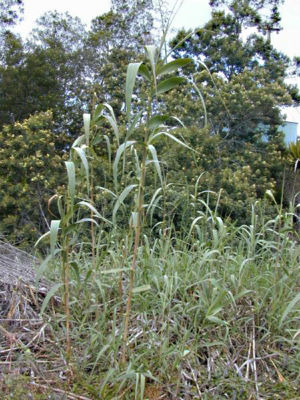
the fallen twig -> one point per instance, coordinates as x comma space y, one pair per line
70, 395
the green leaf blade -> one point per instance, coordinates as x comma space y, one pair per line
169, 84
173, 66
153, 152
121, 199
49, 295
54, 227
87, 123
119, 153
132, 71
71, 179
156, 121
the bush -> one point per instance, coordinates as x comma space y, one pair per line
31, 155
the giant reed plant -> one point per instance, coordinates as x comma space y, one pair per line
143, 129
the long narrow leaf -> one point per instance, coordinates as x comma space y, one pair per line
132, 71
60, 207
80, 151
202, 101
93, 209
119, 153
137, 163
173, 66
154, 206
153, 152
156, 121
49, 295
195, 221
107, 191
288, 309
87, 123
153, 199
133, 124
169, 84
144, 71
141, 289
216, 320
54, 227
98, 112
142, 385
79, 141
113, 271
178, 120
71, 179
134, 219
169, 135
151, 54
43, 237
87, 220
108, 145
130, 131
111, 119
114, 126
120, 200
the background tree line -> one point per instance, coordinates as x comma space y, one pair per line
63, 69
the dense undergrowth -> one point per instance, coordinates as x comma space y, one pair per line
216, 315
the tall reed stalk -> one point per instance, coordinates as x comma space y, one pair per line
138, 228
153, 125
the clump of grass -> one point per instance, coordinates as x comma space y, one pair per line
220, 320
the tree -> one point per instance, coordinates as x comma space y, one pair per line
241, 82
114, 39
31, 168
249, 13
10, 13
236, 176
61, 67
245, 84
45, 73
12, 103
137, 22
58, 41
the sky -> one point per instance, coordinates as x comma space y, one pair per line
193, 13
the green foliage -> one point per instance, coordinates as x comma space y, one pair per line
10, 13
114, 39
242, 173
249, 12
31, 157
212, 296
46, 73
294, 149
245, 83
